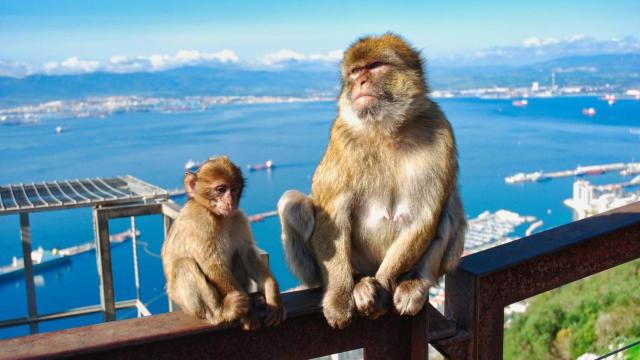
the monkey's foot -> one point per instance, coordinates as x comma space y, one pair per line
410, 296
338, 306
251, 321
371, 299
274, 314
236, 305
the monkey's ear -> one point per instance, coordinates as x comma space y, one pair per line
190, 180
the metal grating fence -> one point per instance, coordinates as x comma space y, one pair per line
56, 195
124, 196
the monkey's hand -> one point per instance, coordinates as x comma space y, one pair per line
410, 296
235, 306
372, 300
251, 321
338, 306
275, 312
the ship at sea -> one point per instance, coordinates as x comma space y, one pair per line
43, 259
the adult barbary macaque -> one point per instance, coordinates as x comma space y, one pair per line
384, 219
210, 254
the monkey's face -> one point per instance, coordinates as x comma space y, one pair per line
366, 91
381, 76
217, 185
223, 197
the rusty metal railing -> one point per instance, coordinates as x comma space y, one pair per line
476, 295
487, 281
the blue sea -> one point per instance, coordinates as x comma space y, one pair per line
494, 140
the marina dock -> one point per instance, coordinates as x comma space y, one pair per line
624, 168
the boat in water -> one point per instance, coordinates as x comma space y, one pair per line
192, 166
266, 166
40, 258
520, 103
591, 112
115, 240
609, 98
44, 259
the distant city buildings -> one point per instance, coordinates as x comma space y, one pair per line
589, 200
535, 86
109, 105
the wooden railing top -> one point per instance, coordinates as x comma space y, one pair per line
476, 294
304, 334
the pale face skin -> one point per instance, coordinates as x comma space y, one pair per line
223, 198
365, 90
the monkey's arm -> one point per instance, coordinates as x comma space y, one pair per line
415, 238
218, 271
331, 242
256, 268
259, 271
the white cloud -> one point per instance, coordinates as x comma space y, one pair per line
72, 65
125, 64
537, 49
578, 37
15, 68
335, 55
158, 62
537, 42
284, 56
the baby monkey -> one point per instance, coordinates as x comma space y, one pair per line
210, 255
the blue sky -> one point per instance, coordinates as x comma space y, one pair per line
39, 31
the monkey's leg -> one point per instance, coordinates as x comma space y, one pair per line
297, 219
196, 297
442, 255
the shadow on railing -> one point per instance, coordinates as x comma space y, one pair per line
476, 295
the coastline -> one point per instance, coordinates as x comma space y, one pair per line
105, 106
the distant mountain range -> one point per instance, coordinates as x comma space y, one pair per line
618, 70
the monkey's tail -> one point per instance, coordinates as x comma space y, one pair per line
457, 231
298, 220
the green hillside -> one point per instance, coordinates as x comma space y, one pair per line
594, 315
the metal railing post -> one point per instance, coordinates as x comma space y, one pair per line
170, 211
136, 271
103, 258
25, 237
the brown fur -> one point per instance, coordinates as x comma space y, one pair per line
209, 258
385, 200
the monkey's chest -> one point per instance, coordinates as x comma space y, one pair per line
226, 246
377, 223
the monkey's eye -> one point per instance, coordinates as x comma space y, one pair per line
375, 65
221, 189
355, 71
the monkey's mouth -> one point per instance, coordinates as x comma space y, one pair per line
226, 211
363, 101
360, 96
